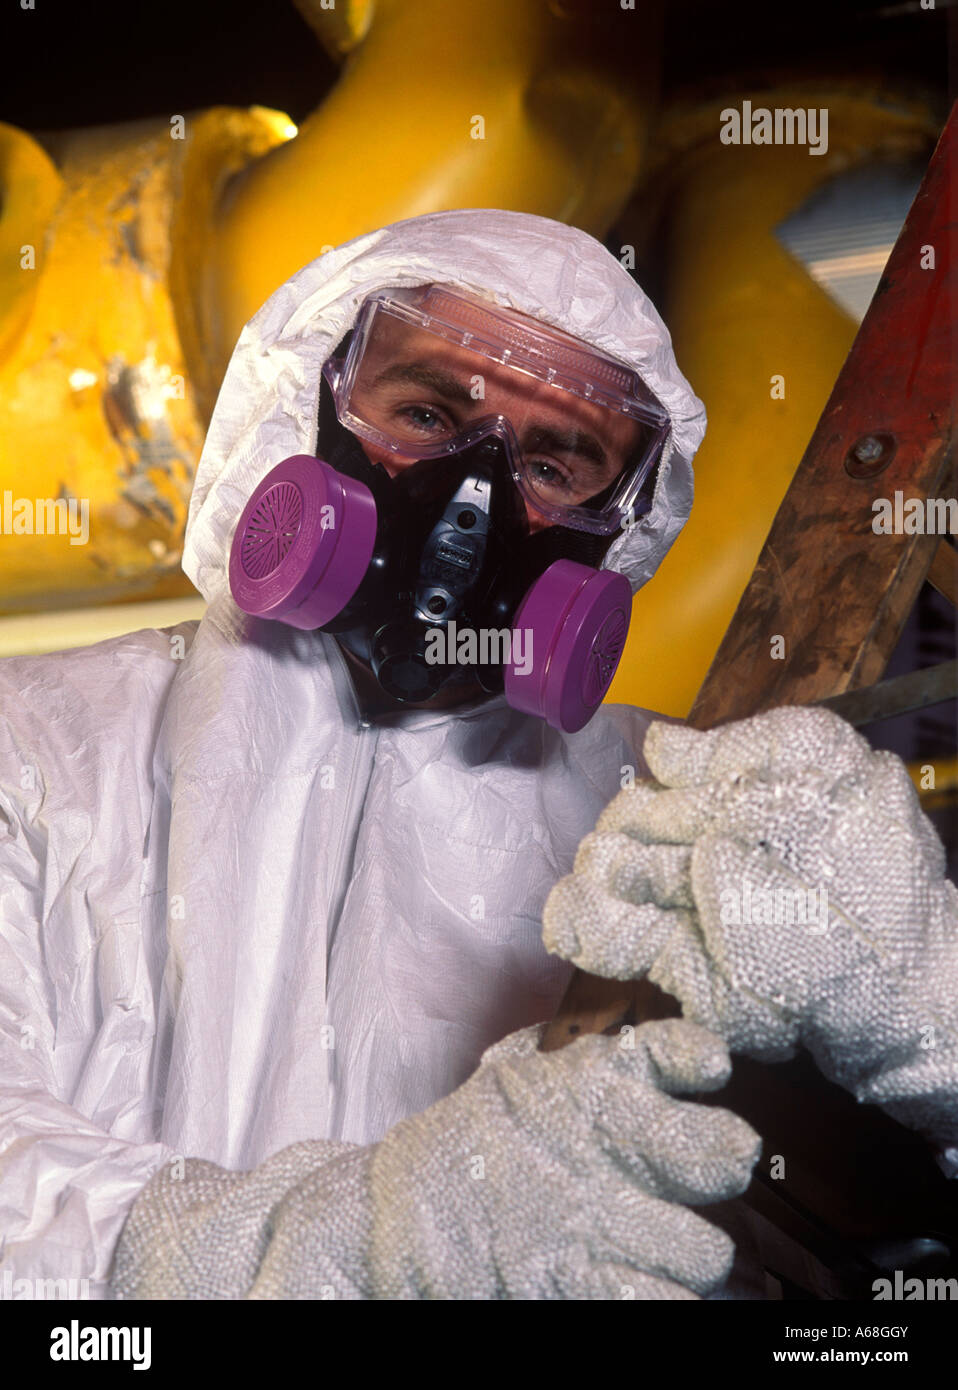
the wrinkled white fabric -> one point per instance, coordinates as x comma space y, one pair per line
547, 1175
233, 918
692, 878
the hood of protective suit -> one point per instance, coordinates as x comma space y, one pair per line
268, 404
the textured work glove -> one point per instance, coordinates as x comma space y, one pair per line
546, 1175
699, 878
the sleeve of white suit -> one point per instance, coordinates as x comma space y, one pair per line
65, 1183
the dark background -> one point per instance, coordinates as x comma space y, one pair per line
75, 64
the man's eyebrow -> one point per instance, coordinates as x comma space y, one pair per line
433, 378
567, 441
539, 436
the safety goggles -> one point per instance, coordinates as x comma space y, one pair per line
434, 370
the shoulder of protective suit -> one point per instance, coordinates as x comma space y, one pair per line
64, 707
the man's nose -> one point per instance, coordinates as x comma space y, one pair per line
394, 465
537, 522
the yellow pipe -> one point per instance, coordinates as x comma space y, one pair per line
499, 103
100, 408
158, 249
936, 782
742, 312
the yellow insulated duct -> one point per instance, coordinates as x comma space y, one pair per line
100, 426
760, 341
155, 243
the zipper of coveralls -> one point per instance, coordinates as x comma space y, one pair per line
366, 740
367, 737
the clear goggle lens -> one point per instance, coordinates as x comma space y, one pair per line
434, 370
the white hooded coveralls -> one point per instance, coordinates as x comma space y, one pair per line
232, 916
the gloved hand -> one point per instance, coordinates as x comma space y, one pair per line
546, 1175
737, 820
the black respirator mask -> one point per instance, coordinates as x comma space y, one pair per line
431, 576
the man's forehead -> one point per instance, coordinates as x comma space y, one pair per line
541, 326
399, 350
405, 355
397, 343
515, 316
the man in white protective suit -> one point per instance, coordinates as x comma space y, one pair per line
272, 969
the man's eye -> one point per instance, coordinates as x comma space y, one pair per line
546, 473
424, 418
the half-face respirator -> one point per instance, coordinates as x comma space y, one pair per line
475, 467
